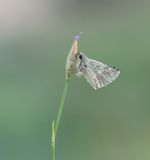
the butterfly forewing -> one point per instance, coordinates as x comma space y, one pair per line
97, 73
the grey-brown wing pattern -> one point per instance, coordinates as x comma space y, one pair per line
98, 74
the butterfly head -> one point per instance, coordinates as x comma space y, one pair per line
81, 60
80, 56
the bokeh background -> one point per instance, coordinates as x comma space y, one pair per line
112, 123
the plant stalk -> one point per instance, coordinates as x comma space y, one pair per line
53, 140
55, 124
61, 105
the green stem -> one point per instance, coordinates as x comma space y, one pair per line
55, 125
61, 105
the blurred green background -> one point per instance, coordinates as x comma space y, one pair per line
112, 123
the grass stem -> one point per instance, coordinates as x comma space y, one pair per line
61, 105
55, 124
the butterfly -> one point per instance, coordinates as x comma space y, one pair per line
96, 73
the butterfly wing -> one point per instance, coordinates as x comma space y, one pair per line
98, 74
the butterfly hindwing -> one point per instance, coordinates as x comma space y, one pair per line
99, 74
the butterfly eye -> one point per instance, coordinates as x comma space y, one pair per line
80, 56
